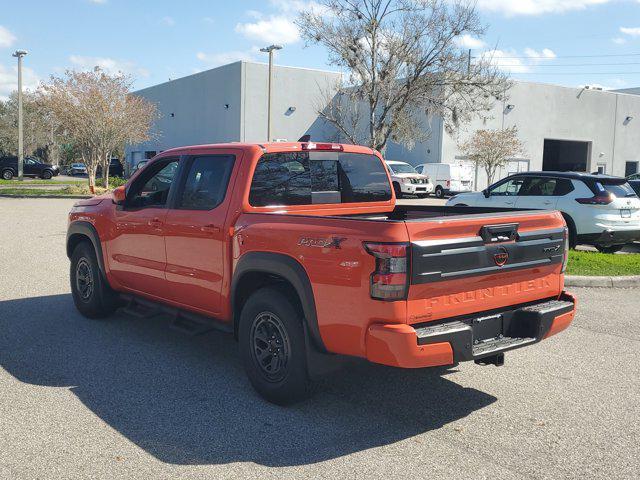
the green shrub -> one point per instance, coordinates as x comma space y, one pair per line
113, 182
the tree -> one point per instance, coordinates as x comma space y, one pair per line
402, 64
492, 149
97, 115
39, 129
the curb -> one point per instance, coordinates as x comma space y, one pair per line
10, 195
602, 282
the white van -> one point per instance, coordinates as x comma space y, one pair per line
448, 179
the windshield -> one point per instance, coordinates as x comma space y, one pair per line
402, 168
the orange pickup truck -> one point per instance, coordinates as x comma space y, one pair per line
299, 250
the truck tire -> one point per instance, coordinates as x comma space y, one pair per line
397, 189
272, 347
439, 192
92, 296
7, 174
47, 174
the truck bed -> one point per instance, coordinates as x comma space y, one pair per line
408, 213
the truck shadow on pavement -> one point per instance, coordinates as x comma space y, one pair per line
186, 400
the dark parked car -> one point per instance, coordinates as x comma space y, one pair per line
115, 169
32, 168
635, 184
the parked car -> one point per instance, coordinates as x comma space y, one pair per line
406, 180
115, 169
243, 239
77, 169
599, 210
635, 184
635, 176
448, 179
32, 167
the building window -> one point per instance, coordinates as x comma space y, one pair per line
630, 168
602, 168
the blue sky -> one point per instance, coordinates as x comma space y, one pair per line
541, 40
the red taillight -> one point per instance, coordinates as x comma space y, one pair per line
389, 279
336, 147
600, 199
448, 183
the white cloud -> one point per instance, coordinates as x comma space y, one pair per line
6, 37
274, 29
619, 40
109, 65
9, 79
536, 7
545, 54
505, 60
467, 41
632, 31
99, 2
168, 21
278, 27
513, 62
222, 58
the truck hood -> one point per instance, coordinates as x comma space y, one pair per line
410, 175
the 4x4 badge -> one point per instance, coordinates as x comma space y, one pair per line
501, 257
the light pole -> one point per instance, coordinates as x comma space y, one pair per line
270, 50
19, 54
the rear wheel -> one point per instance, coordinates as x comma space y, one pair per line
92, 295
47, 174
272, 347
397, 189
7, 174
439, 192
609, 248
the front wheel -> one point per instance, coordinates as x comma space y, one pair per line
272, 347
92, 295
47, 175
609, 248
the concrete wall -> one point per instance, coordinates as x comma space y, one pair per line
199, 107
229, 103
553, 112
303, 89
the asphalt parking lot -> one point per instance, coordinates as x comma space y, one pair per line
131, 398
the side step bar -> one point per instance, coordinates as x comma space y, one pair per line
183, 321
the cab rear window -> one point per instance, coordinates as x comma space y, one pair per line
305, 178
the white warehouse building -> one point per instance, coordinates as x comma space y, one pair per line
562, 128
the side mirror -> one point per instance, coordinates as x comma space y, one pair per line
486, 193
119, 195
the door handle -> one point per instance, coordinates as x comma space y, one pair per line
547, 203
210, 228
509, 203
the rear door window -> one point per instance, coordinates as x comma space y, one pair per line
206, 183
304, 178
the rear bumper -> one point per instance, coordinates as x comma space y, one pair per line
471, 338
610, 237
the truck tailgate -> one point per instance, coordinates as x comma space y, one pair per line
477, 263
